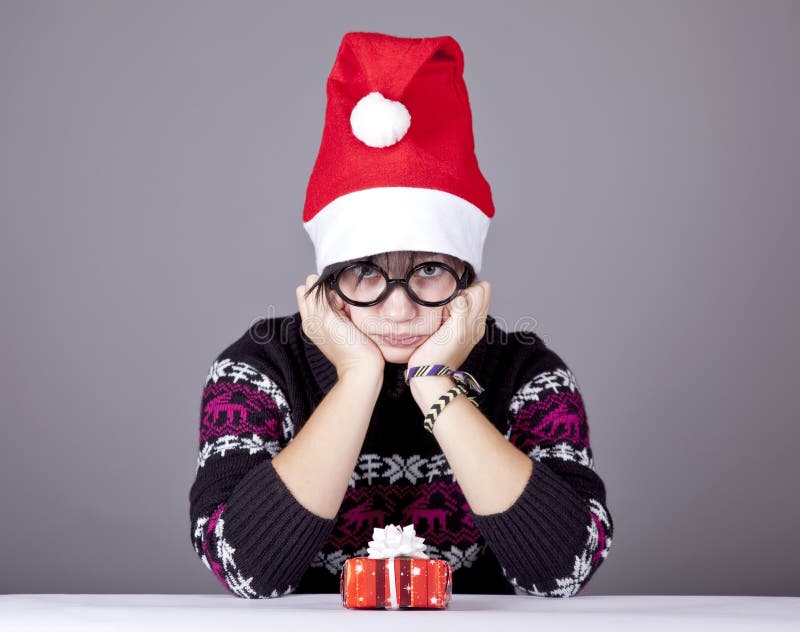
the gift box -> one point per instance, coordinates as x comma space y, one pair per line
396, 574
396, 582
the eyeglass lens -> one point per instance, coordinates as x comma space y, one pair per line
363, 282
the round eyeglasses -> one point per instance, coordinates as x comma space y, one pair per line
431, 283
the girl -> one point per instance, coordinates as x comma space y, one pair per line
376, 404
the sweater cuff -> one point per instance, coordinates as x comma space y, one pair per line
271, 531
538, 537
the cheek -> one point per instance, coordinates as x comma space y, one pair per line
356, 316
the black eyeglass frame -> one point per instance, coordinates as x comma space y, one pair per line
461, 284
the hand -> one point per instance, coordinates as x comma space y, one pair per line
464, 326
346, 346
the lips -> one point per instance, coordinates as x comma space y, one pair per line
400, 341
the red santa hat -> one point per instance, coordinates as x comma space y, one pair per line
396, 168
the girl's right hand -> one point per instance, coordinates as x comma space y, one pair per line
346, 346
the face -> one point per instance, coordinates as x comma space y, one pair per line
397, 316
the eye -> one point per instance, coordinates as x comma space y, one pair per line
365, 271
429, 270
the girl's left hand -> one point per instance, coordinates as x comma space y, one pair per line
465, 327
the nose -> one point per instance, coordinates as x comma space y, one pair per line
398, 305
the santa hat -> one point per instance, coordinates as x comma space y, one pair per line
396, 168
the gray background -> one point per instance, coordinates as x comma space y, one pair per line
644, 163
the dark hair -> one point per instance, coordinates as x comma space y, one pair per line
393, 262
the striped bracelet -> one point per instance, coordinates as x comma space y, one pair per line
439, 405
465, 383
465, 380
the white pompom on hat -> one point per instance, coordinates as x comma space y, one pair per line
379, 122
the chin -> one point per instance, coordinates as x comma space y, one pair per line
397, 356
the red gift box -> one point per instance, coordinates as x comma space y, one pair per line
395, 582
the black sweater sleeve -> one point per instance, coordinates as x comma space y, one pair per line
557, 533
246, 526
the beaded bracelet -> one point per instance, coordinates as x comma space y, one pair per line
465, 383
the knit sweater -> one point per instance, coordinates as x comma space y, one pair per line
260, 542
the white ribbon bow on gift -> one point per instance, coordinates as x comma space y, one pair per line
392, 542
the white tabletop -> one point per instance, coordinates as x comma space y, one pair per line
22, 612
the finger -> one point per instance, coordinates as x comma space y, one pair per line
472, 297
471, 314
465, 318
300, 291
460, 315
487, 296
337, 301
